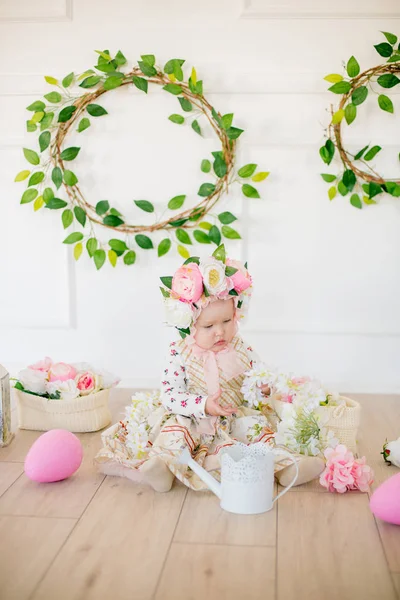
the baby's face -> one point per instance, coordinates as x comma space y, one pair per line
215, 326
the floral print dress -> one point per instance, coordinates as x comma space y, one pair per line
164, 423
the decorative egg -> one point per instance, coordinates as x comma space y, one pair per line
385, 501
54, 456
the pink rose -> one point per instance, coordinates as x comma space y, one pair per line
43, 365
61, 372
187, 283
241, 279
86, 383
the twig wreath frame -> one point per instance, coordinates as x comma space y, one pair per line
56, 117
359, 178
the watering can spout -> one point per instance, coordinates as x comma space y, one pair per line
186, 459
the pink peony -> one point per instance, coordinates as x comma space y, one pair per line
343, 472
61, 372
42, 365
86, 383
241, 279
187, 283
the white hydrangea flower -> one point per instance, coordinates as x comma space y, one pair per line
136, 414
213, 272
259, 375
178, 314
67, 389
33, 380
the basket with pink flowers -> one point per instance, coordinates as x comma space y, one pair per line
58, 395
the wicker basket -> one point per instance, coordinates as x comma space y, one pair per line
343, 420
83, 414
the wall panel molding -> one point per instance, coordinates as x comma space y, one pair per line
321, 9
40, 11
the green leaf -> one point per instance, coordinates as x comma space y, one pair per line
69, 153
192, 259
173, 88
149, 59
328, 178
332, 192
91, 246
333, 78
167, 281
361, 152
78, 250
205, 225
66, 113
359, 95
118, 246
179, 222
229, 271
77, 236
355, 200
260, 176
372, 189
388, 80
99, 258
174, 67
31, 156
226, 121
183, 236
102, 207
90, 81
392, 188
29, 196
113, 221
394, 58
120, 58
70, 178
196, 127
216, 117
36, 106
327, 152
164, 247
215, 235
48, 195
384, 49
226, 218
144, 205
185, 104
108, 67
201, 237
176, 202
67, 218
184, 252
230, 233
130, 257
199, 88
46, 121
234, 132
350, 113
341, 87
197, 213
391, 38
104, 55
349, 179
56, 203
147, 69
37, 117
206, 189
44, 140
342, 188
51, 80
372, 152
30, 126
80, 215
249, 191
353, 68
53, 97
219, 165
36, 178
83, 124
112, 82
68, 80
247, 170
56, 176
178, 119
112, 257
140, 83
219, 253
385, 103
22, 175
205, 166
143, 241
95, 110
233, 293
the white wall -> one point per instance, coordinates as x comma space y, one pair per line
327, 281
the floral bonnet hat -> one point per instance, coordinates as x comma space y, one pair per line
200, 281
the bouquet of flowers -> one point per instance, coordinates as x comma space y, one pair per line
62, 381
136, 424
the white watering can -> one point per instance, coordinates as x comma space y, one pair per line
247, 477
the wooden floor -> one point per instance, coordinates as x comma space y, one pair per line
93, 537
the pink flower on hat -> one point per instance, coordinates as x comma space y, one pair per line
241, 279
61, 372
187, 283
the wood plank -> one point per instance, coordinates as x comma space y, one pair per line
396, 581
330, 547
118, 548
9, 472
390, 536
196, 572
67, 498
212, 525
28, 545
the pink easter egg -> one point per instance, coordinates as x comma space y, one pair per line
55, 455
385, 501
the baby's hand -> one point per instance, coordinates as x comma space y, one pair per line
214, 408
265, 389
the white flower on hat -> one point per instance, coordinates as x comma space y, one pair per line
178, 314
213, 272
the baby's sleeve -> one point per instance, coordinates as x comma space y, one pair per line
174, 393
252, 355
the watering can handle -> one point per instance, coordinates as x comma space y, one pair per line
294, 461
